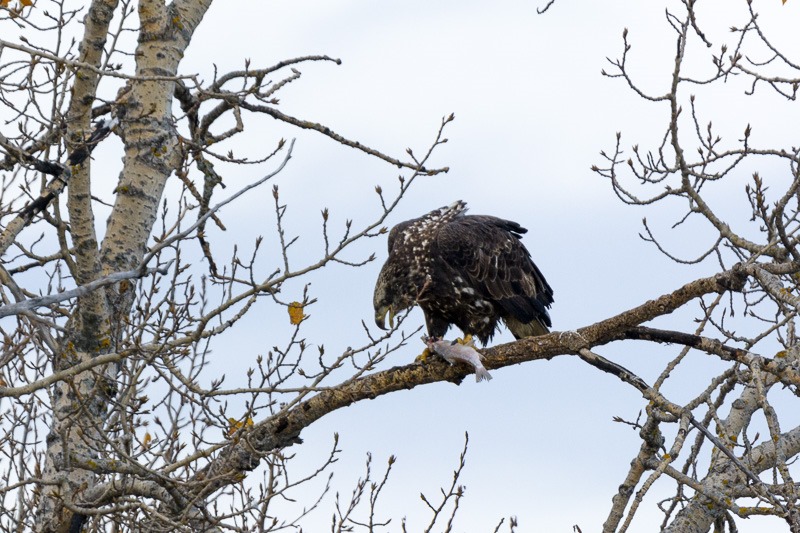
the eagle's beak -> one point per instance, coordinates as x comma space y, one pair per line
380, 317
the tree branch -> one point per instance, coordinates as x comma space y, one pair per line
284, 428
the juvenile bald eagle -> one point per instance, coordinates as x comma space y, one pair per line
468, 270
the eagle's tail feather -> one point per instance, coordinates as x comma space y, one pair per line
521, 329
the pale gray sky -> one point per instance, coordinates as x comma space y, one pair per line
532, 114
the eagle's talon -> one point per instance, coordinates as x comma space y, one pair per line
466, 341
423, 357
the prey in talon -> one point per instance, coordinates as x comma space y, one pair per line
453, 351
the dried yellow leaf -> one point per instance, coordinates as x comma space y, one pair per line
146, 440
236, 425
4, 3
296, 313
25, 3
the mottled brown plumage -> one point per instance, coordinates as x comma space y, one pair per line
471, 271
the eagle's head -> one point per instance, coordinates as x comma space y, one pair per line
394, 292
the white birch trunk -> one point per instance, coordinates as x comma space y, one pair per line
80, 406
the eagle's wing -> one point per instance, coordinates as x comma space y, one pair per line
487, 252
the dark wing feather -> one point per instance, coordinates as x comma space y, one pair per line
488, 252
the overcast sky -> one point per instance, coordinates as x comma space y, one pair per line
532, 114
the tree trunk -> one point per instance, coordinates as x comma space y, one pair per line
151, 155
